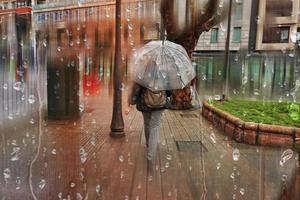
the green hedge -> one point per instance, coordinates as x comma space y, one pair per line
276, 113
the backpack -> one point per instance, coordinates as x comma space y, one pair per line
155, 100
181, 99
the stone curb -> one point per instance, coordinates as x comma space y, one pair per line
250, 132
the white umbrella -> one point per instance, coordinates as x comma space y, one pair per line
162, 65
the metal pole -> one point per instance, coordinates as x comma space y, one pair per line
226, 68
117, 123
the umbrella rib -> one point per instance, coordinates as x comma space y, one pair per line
176, 66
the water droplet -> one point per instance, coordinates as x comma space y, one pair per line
31, 99
292, 55
81, 107
10, 117
18, 182
18, 86
42, 184
53, 151
83, 155
213, 138
15, 154
235, 154
59, 49
242, 191
232, 175
284, 178
31, 121
72, 184
98, 189
7, 174
45, 42
169, 157
5, 86
167, 165
286, 155
121, 158
122, 175
218, 166
217, 97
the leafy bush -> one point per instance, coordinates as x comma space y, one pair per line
276, 113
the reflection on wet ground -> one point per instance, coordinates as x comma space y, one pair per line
78, 160
57, 65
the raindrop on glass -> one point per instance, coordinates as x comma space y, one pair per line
121, 158
45, 42
31, 99
72, 184
122, 175
18, 86
284, 178
42, 184
232, 175
235, 154
286, 155
5, 86
218, 166
98, 189
169, 157
10, 117
242, 191
81, 107
83, 155
213, 138
6, 174
31, 121
18, 182
15, 154
53, 151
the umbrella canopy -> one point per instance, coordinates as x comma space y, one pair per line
162, 66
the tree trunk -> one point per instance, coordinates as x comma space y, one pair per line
200, 22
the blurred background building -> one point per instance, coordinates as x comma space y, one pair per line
263, 51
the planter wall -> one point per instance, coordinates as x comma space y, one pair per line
249, 132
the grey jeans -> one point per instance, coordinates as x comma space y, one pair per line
151, 127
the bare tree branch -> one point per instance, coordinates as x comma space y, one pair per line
214, 12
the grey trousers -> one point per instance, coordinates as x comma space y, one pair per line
151, 127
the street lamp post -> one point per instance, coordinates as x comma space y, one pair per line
227, 49
117, 123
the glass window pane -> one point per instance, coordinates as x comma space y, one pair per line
214, 35
236, 34
238, 11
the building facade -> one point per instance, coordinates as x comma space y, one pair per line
264, 58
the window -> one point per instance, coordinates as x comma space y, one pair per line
276, 34
275, 8
214, 35
238, 11
236, 34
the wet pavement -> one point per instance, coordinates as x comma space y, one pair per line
76, 159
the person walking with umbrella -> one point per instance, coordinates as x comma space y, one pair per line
156, 69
